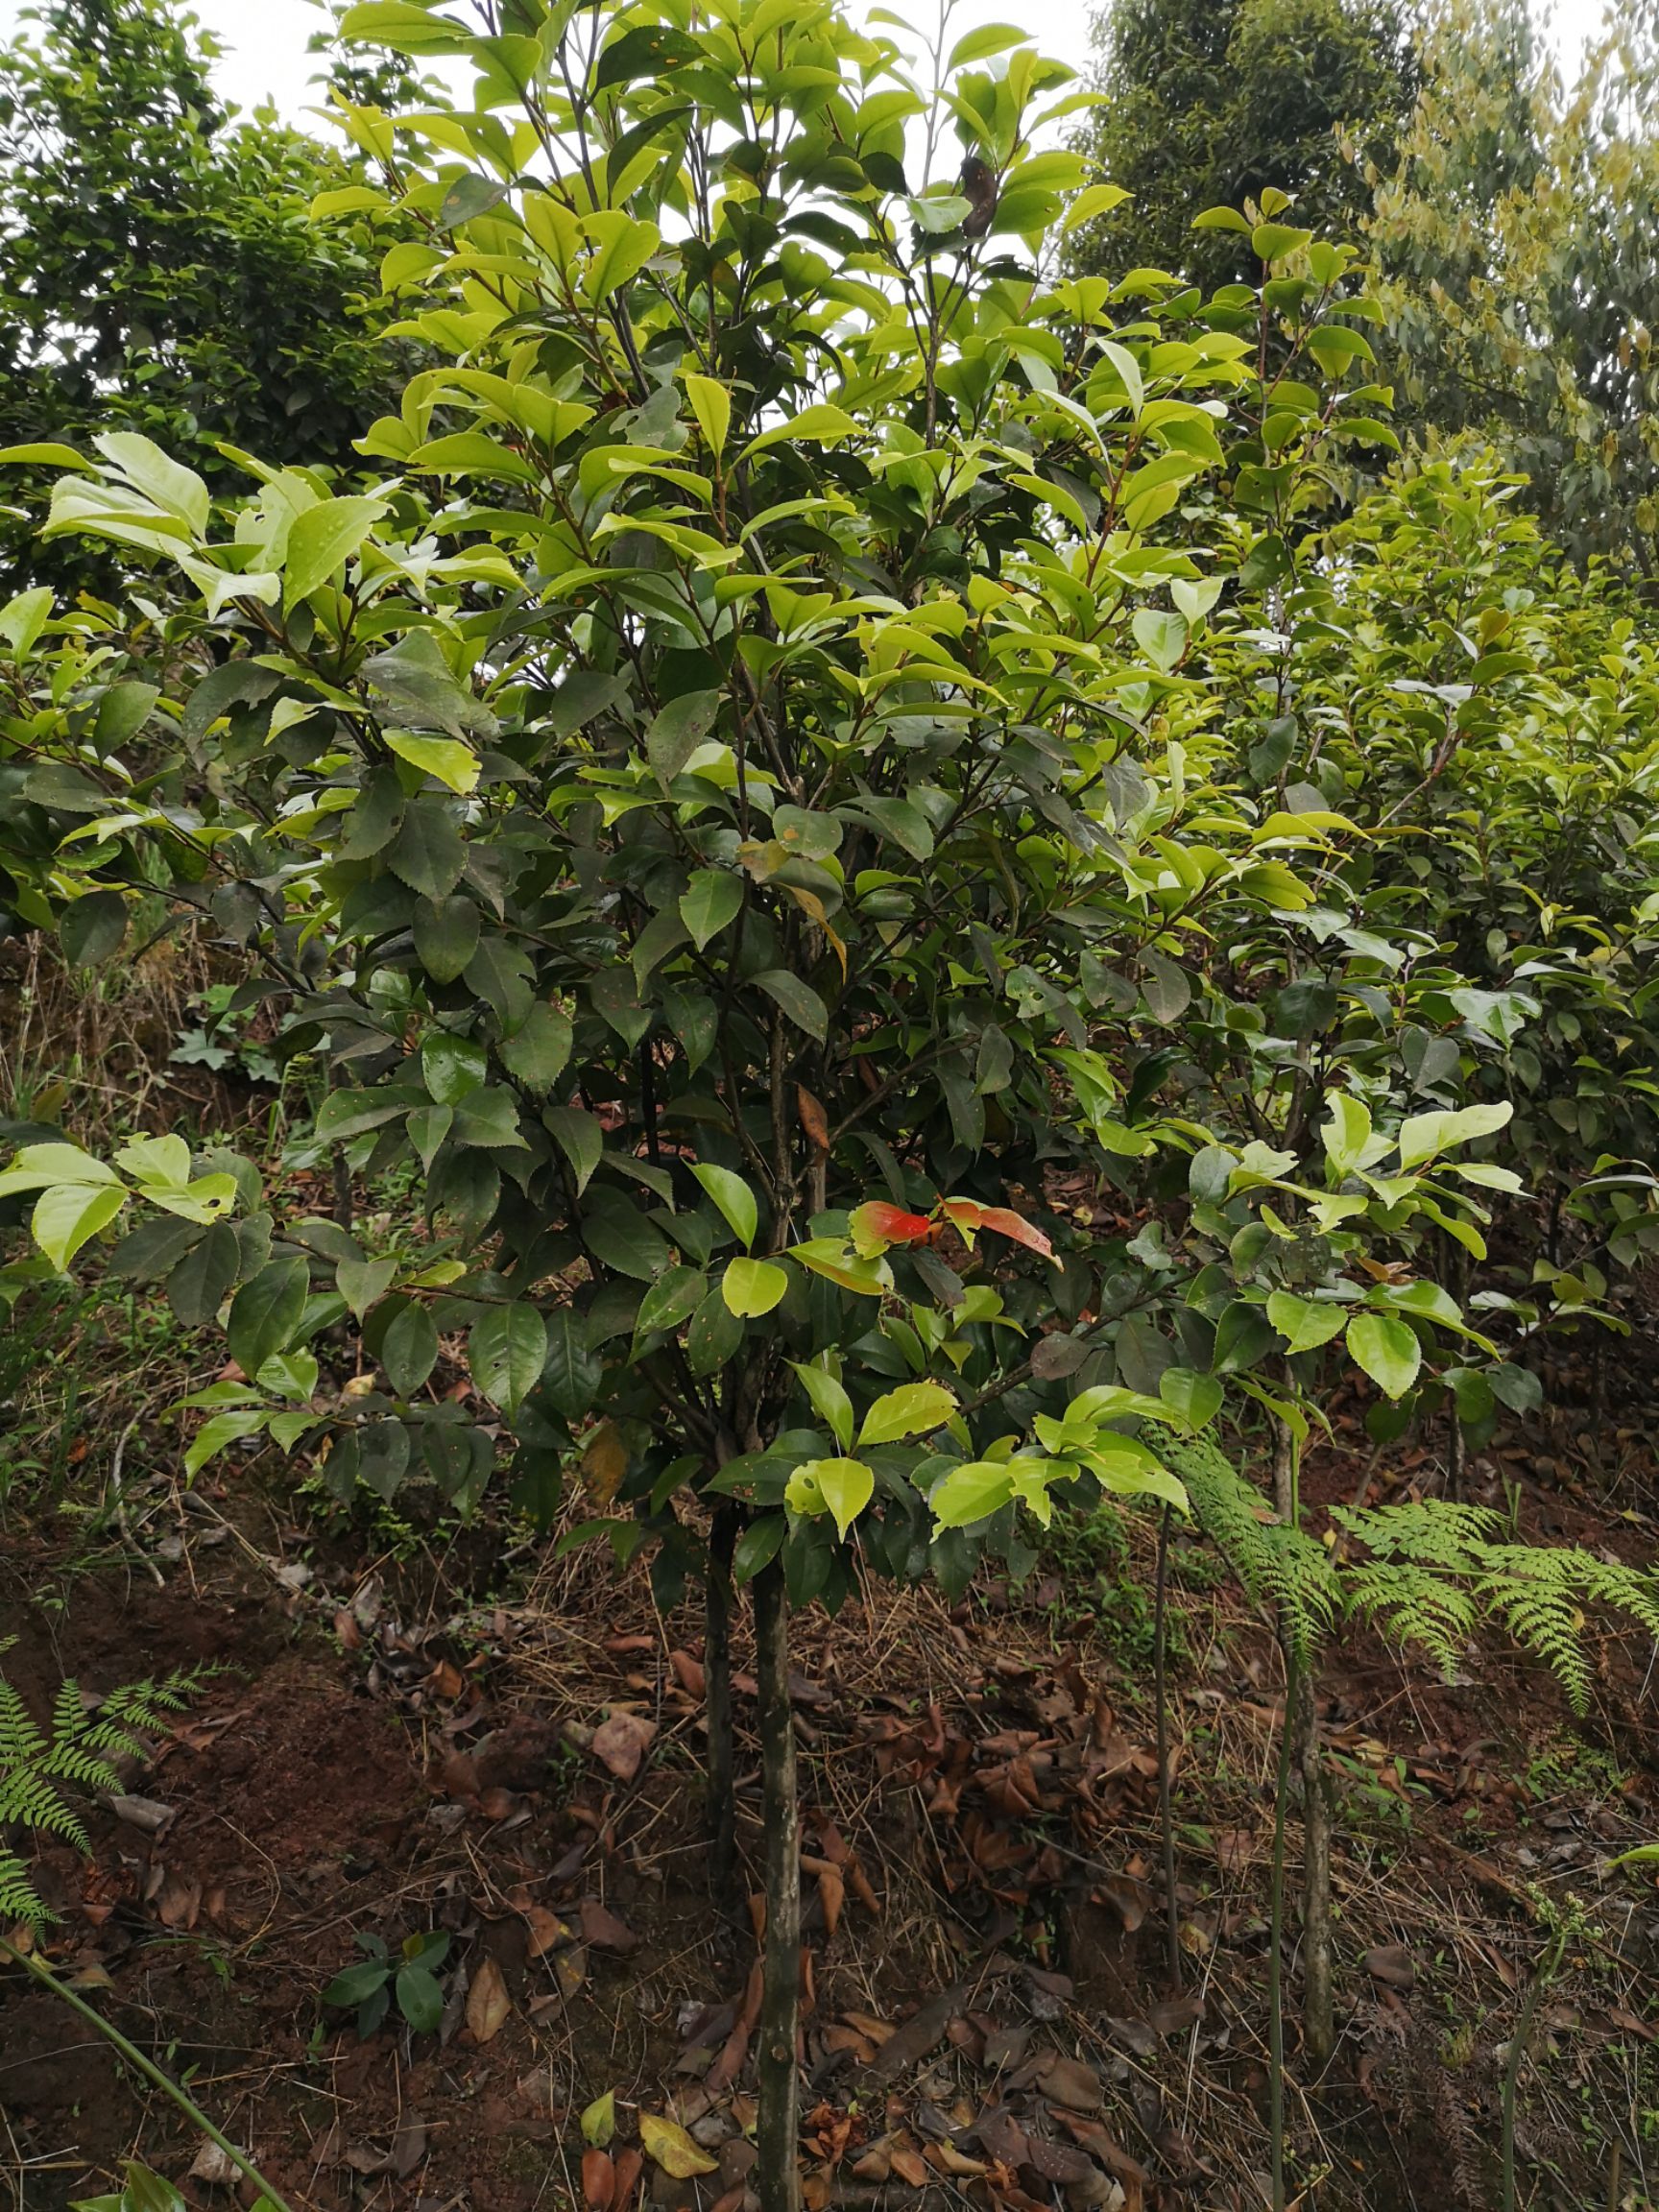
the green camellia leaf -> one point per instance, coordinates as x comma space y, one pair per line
1194, 1400
828, 1400
507, 1350
1386, 1350
445, 935
451, 1067
266, 1312
420, 1999
444, 759
733, 1197
971, 1493
1424, 1136
355, 1983
1303, 1324
322, 540
223, 1429
409, 1349
93, 927
711, 900
674, 1297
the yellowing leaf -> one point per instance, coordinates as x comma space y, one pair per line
445, 758
488, 2002
604, 1464
668, 2144
753, 1287
598, 2121
711, 404
841, 1487
68, 1213
910, 1411
820, 424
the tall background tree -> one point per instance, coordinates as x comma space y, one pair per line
1517, 236
158, 269
1205, 104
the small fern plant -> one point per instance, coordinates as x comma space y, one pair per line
1435, 1570
73, 1752
1432, 1575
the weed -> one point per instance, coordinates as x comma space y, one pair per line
1086, 1550
411, 1977
221, 1035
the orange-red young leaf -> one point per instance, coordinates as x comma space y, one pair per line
877, 1224
969, 1216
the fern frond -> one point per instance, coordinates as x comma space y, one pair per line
18, 1898
34, 1765
77, 1763
29, 1801
1434, 1531
1411, 1603
1277, 1564
71, 1712
106, 1736
1626, 1590
22, 1742
150, 1704
1532, 1592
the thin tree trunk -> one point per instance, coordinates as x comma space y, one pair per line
1161, 1692
1453, 1454
777, 2175
1276, 1946
1318, 2013
1283, 1470
717, 1706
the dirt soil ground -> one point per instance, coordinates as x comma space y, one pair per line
398, 1734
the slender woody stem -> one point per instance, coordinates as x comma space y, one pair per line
777, 2178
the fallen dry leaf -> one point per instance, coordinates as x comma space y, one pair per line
604, 1930
1392, 1964
668, 2146
908, 2045
908, 2163
630, 2165
833, 1890
488, 2002
598, 2180
408, 2145
547, 1929
1071, 2083
620, 1741
180, 1904
141, 1813
214, 2166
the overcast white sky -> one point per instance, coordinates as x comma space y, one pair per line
264, 40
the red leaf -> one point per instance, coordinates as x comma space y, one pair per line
969, 1216
877, 1224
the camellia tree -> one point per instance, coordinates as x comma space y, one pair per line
732, 810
